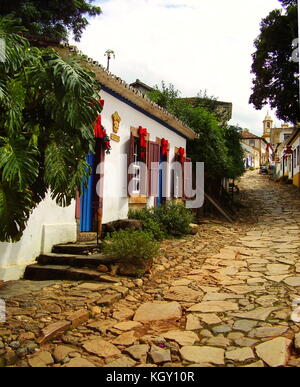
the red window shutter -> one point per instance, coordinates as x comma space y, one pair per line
130, 159
153, 157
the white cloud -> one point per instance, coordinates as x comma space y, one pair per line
194, 44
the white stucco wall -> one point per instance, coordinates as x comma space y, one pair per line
115, 206
48, 225
295, 144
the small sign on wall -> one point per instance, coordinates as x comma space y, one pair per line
115, 137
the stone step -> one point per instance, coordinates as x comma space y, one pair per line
37, 272
76, 260
77, 248
86, 236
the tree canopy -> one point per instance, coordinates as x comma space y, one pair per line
218, 145
276, 75
47, 109
51, 18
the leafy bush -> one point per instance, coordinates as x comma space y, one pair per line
169, 219
150, 222
130, 246
175, 218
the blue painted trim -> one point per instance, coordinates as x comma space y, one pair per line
86, 200
134, 106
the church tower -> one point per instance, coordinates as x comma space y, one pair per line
268, 125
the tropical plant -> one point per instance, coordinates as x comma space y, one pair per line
51, 18
47, 109
276, 74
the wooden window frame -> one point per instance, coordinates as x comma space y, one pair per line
136, 198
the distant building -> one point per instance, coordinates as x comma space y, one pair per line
222, 109
285, 142
275, 136
141, 87
257, 150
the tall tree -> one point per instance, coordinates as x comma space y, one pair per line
276, 78
51, 18
47, 110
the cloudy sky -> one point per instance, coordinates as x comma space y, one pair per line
194, 44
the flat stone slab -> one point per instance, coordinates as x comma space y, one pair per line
268, 331
139, 351
123, 361
221, 296
182, 337
260, 314
160, 355
276, 278
274, 352
192, 323
195, 354
218, 342
240, 354
244, 289
181, 282
79, 362
126, 338
292, 281
127, 325
244, 325
101, 348
209, 318
156, 311
183, 293
11, 289
214, 307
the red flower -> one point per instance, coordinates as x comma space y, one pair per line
142, 132
164, 147
181, 152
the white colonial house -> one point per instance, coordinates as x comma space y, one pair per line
138, 130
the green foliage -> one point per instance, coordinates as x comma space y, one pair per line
51, 18
150, 222
276, 76
217, 145
130, 246
48, 106
174, 218
235, 167
168, 219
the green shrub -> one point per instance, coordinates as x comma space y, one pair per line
169, 219
174, 218
132, 247
150, 222
251, 169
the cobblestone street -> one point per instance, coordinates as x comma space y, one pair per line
222, 297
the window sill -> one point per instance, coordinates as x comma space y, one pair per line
137, 199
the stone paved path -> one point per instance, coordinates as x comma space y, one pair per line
223, 297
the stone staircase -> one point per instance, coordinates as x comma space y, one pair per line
73, 261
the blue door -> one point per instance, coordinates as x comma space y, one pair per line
86, 200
